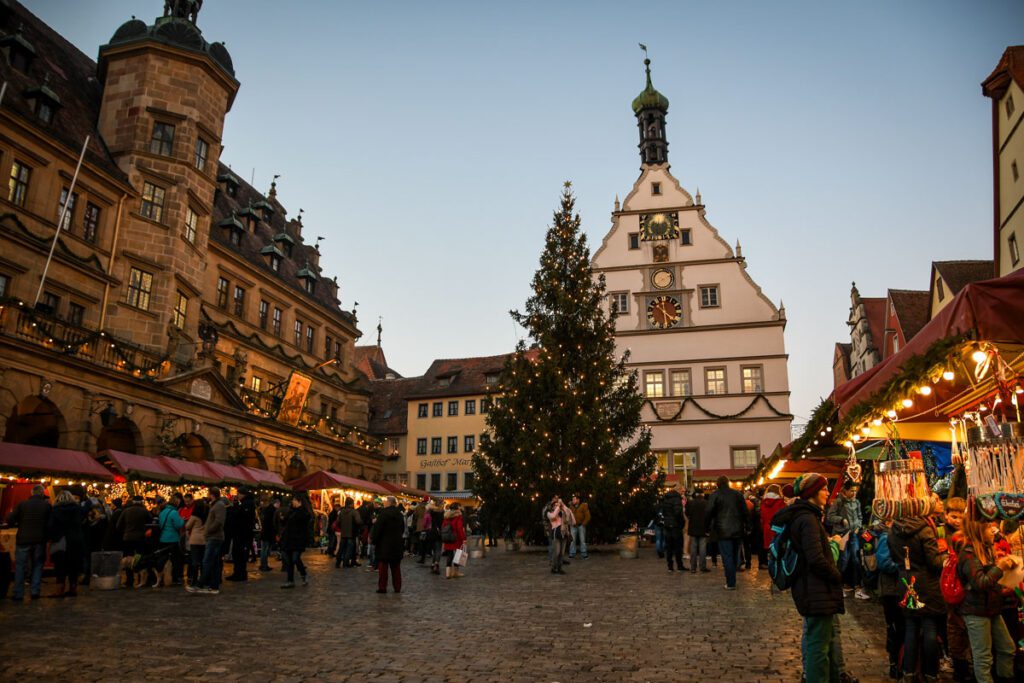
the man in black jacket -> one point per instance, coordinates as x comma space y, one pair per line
243, 529
268, 531
386, 537
673, 522
32, 517
726, 519
818, 586
696, 508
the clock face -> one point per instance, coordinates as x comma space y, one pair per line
664, 312
659, 226
662, 278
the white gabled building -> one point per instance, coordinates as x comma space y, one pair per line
706, 341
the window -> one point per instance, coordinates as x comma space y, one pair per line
76, 312
277, 322
327, 346
684, 460
66, 226
334, 413
470, 408
485, 438
618, 302
152, 202
939, 289
51, 302
18, 186
745, 457
655, 188
654, 384
337, 350
421, 446
681, 383
453, 444
4, 282
239, 301
634, 240
44, 110
310, 285
1012, 243
469, 443
162, 142
438, 409
752, 379
714, 381
662, 458
310, 339
469, 480
453, 481
491, 379
264, 308
1009, 106
140, 286
686, 237
421, 482
222, 293
435, 445
435, 481
298, 333
1013, 170
90, 222
709, 296
191, 221
421, 410
453, 408
257, 383
202, 151
485, 405
275, 262
180, 311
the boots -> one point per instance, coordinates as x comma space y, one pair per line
447, 572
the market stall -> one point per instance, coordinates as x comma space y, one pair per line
406, 494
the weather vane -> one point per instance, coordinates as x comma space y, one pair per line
644, 48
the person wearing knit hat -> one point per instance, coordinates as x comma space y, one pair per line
818, 585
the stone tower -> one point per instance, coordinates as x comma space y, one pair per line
650, 108
166, 92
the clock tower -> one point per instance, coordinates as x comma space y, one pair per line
706, 341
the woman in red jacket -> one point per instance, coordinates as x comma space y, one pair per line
453, 535
770, 504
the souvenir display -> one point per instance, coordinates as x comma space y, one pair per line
995, 472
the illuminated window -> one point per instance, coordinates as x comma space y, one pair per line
745, 457
752, 380
202, 152
90, 222
222, 293
180, 311
191, 221
681, 383
140, 287
654, 384
18, 186
152, 202
714, 381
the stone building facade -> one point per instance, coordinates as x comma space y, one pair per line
182, 312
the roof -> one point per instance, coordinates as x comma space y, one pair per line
1010, 67
911, 307
72, 78
388, 406
874, 309
371, 362
459, 376
956, 274
649, 98
43, 461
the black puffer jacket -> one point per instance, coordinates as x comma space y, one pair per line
386, 535
915, 538
672, 512
818, 590
295, 534
727, 514
66, 523
983, 594
696, 508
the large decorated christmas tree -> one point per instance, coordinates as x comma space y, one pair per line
566, 419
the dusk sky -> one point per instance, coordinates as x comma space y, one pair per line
428, 143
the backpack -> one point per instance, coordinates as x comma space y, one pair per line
883, 556
783, 558
949, 582
447, 533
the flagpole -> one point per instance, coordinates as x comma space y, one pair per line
60, 221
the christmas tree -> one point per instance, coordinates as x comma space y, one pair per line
566, 419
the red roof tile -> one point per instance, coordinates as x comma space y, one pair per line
911, 307
957, 274
1011, 66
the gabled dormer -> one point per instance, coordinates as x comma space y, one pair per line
233, 229
309, 279
285, 243
230, 182
265, 209
250, 216
273, 256
20, 52
44, 101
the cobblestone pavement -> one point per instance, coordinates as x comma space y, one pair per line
508, 619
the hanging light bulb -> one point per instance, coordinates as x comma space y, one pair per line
865, 430
983, 407
856, 438
907, 403
891, 414
979, 356
877, 422
848, 444
948, 375
924, 390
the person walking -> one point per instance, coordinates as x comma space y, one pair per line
818, 585
213, 529
332, 527
771, 503
243, 530
386, 536
32, 518
170, 525
67, 543
673, 520
697, 531
726, 518
348, 527
453, 539
294, 537
132, 524
436, 514
195, 534
581, 511
268, 531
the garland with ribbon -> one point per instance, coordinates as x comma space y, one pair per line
716, 416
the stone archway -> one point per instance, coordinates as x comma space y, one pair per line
195, 448
36, 421
253, 458
296, 469
120, 435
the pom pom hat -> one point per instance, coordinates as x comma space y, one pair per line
807, 485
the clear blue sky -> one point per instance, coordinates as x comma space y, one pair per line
428, 142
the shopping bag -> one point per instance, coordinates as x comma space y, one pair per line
460, 557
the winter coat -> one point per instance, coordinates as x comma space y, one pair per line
914, 536
419, 512
436, 520
133, 522
844, 515
215, 520
95, 531
769, 507
268, 524
696, 511
195, 530
983, 594
295, 533
818, 588
453, 518
672, 517
170, 525
582, 514
245, 522
386, 535
32, 517
112, 537
348, 522
66, 522
727, 514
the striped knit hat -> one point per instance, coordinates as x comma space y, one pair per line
807, 485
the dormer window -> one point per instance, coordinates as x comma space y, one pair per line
20, 52
491, 379
251, 218
275, 263
233, 228
308, 278
285, 243
230, 183
265, 209
44, 111
310, 286
44, 101
274, 257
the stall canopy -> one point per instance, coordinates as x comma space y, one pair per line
403, 490
265, 479
191, 472
991, 310
331, 480
133, 466
231, 475
38, 461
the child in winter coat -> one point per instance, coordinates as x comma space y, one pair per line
956, 631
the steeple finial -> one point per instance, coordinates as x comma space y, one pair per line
650, 108
698, 197
380, 328
617, 205
272, 192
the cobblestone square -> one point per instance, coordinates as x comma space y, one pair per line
608, 619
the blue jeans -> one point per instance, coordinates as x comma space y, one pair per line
579, 539
922, 631
817, 649
988, 634
213, 563
36, 554
195, 565
346, 552
730, 549
659, 540
698, 552
265, 554
292, 560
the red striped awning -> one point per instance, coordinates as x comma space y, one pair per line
40, 461
140, 467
